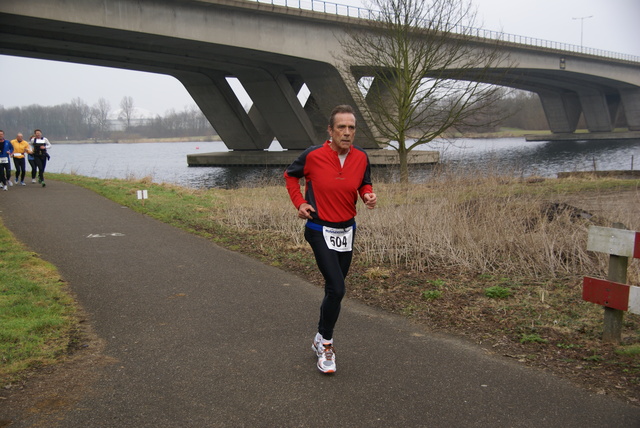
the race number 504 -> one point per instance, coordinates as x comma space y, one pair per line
338, 239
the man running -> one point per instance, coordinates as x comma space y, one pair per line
6, 151
21, 150
335, 173
40, 146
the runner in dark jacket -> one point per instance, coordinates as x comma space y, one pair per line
40, 145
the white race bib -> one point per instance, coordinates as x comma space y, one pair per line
4, 160
338, 239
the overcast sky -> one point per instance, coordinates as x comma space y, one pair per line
613, 25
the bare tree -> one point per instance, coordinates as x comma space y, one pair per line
423, 71
127, 111
77, 119
100, 114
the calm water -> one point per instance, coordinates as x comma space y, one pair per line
167, 162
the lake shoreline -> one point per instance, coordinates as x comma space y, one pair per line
525, 134
201, 139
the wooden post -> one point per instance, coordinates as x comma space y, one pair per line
612, 329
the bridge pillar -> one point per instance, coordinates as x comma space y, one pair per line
562, 110
274, 97
224, 111
631, 104
329, 87
597, 109
318, 120
380, 96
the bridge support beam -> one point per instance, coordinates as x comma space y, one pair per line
274, 97
224, 111
562, 110
631, 103
328, 88
310, 108
597, 110
380, 96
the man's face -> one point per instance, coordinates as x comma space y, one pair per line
343, 132
38, 134
1, 136
19, 137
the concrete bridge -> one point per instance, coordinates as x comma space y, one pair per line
274, 51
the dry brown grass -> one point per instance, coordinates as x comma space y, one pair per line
497, 225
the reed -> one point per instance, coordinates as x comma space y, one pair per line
485, 224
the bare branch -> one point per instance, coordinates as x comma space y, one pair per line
423, 71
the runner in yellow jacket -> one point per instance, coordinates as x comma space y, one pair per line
21, 149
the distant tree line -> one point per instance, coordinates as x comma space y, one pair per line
77, 121
524, 111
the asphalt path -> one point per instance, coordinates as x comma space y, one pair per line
194, 335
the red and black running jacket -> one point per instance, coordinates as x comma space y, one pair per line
332, 190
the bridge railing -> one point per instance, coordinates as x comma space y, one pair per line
364, 13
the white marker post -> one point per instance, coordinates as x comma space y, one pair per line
142, 194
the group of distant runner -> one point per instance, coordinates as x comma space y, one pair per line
33, 151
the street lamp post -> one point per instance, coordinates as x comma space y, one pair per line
582, 18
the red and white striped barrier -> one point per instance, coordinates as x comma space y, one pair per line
611, 294
617, 242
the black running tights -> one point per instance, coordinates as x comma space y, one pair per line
334, 266
5, 172
20, 170
40, 163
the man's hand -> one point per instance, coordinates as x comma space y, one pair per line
305, 210
370, 200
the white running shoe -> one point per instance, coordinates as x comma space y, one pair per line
10, 183
33, 180
5, 187
326, 354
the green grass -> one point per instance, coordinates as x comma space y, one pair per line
631, 350
497, 292
431, 294
37, 315
532, 338
438, 283
192, 211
